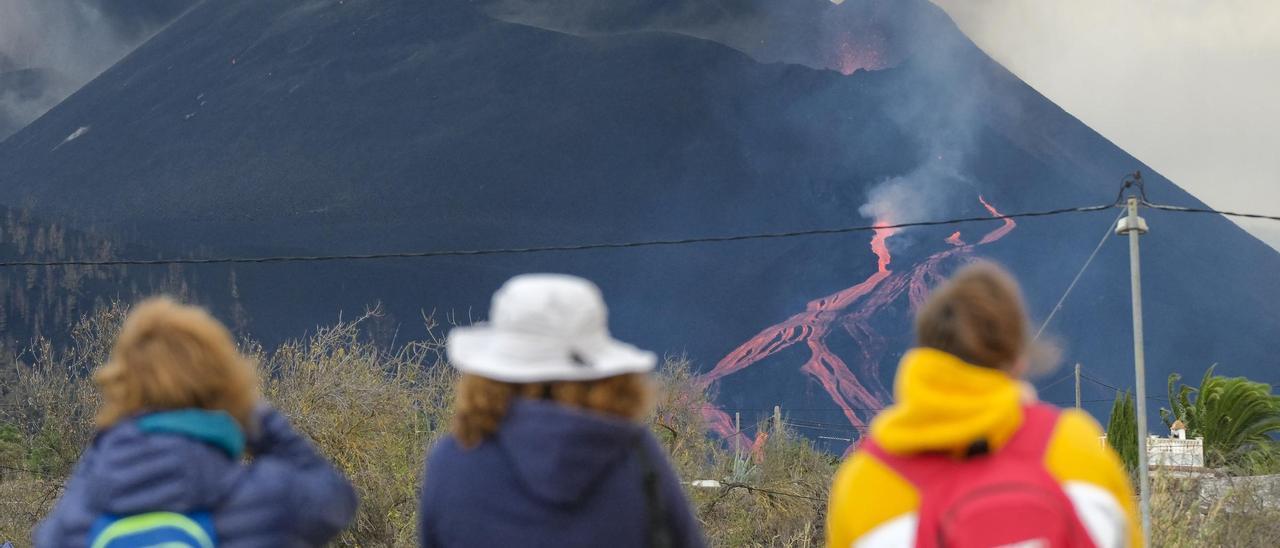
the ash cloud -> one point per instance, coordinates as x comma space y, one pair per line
49, 48
913, 35
944, 120
805, 32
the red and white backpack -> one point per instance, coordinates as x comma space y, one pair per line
1005, 498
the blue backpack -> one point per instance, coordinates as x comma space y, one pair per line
154, 530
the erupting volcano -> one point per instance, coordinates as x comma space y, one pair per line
853, 54
387, 126
859, 393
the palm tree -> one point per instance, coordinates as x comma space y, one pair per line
1122, 430
1234, 415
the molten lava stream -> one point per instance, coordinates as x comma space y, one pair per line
998, 233
813, 326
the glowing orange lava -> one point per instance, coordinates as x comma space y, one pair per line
859, 396
858, 52
999, 232
879, 244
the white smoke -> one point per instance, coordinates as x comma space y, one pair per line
919, 195
945, 121
66, 43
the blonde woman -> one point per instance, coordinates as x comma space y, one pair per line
546, 448
180, 411
966, 457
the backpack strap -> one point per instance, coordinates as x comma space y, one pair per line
918, 470
655, 508
1032, 438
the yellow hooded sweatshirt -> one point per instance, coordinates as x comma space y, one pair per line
945, 405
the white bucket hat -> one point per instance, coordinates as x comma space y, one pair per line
545, 327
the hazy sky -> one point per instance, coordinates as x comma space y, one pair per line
1191, 87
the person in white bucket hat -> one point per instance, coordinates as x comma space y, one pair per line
546, 446
545, 327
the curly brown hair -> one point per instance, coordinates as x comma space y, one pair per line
174, 356
482, 403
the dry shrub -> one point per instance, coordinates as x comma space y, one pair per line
23, 502
776, 497
372, 413
47, 405
1215, 511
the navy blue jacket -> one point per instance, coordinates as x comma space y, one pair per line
188, 461
551, 476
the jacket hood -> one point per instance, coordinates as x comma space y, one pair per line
558, 452
177, 461
946, 405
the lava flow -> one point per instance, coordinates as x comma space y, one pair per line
861, 51
858, 400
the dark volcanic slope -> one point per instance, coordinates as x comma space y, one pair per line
259, 126
52, 47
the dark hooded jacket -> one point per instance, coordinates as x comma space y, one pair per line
551, 476
189, 461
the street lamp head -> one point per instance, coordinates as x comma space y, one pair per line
1130, 224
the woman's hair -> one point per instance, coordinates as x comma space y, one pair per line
976, 316
172, 356
482, 403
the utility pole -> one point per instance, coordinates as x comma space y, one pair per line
1135, 226
1077, 386
737, 440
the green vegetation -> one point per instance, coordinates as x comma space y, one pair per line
1234, 506
1235, 416
1122, 431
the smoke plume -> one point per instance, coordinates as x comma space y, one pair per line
49, 48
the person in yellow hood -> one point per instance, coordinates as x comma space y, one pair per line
966, 456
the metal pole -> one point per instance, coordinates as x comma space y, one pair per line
737, 440
1135, 226
1077, 386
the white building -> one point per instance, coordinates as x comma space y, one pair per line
1176, 450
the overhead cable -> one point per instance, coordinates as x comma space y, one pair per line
1181, 209
540, 249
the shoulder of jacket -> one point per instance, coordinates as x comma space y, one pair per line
866, 494
445, 459
1095, 480
1077, 423
1078, 452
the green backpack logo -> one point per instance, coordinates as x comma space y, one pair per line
154, 530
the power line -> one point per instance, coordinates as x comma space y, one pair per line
1105, 236
789, 409
542, 249
1055, 383
1099, 382
1181, 209
1117, 389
